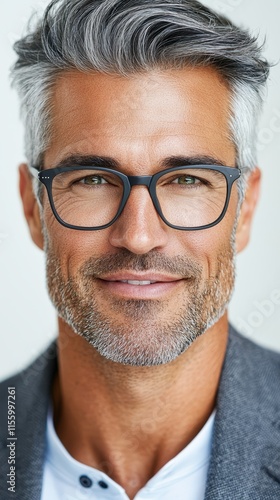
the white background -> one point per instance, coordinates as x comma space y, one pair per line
28, 321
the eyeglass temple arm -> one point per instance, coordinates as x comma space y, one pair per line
34, 171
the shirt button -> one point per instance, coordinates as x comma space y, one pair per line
103, 485
85, 481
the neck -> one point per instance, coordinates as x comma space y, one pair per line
127, 412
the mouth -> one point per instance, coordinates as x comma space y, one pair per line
138, 282
139, 287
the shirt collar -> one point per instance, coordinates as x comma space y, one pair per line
195, 455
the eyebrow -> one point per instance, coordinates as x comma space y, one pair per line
109, 162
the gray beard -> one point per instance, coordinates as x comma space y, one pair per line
141, 339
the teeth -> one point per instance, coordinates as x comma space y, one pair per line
137, 282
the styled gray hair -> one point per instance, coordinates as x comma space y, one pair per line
129, 36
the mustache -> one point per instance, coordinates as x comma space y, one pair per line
153, 261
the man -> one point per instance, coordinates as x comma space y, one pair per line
140, 186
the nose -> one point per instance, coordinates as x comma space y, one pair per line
139, 228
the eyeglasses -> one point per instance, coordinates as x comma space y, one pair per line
92, 198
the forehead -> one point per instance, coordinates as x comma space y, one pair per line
141, 118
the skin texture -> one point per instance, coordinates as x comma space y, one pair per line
139, 122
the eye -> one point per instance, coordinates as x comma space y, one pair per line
186, 180
93, 180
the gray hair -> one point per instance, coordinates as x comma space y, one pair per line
130, 36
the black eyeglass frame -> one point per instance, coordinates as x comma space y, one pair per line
231, 174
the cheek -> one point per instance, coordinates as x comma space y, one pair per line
208, 246
70, 246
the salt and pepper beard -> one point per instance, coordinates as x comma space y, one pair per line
141, 339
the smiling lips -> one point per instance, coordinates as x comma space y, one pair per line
140, 280
138, 286
137, 282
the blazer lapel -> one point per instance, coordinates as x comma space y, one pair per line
32, 388
245, 460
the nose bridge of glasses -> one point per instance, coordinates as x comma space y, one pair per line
140, 180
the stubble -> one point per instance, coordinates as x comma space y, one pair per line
134, 332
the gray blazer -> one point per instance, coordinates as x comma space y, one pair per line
245, 459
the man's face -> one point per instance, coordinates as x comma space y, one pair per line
139, 122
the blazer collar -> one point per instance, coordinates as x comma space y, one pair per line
32, 387
245, 458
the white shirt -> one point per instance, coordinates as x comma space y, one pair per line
182, 478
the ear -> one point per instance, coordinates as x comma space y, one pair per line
30, 206
247, 210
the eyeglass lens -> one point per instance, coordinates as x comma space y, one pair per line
187, 197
